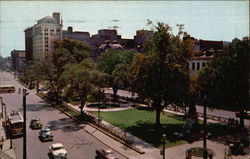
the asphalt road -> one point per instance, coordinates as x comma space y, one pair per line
78, 143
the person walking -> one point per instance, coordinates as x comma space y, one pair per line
1, 143
229, 153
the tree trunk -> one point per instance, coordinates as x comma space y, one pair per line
241, 118
158, 119
82, 104
115, 90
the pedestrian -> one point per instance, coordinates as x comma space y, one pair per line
229, 121
229, 153
1, 143
19, 90
225, 154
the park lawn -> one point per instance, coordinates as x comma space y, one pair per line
141, 124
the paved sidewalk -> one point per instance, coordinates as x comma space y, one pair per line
6, 152
177, 152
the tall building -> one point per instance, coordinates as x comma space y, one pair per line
70, 34
18, 61
29, 43
38, 37
104, 35
142, 36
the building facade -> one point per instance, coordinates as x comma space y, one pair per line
38, 37
18, 60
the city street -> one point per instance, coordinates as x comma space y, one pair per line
77, 141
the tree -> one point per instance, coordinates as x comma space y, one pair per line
225, 80
114, 63
82, 78
161, 73
51, 67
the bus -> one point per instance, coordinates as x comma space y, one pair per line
7, 89
15, 123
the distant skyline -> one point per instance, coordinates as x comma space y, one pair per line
208, 20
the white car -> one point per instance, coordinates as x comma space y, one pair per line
57, 151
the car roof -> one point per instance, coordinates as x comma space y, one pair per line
35, 119
45, 129
57, 145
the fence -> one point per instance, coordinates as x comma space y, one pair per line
120, 134
211, 117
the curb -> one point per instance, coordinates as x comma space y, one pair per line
117, 139
92, 125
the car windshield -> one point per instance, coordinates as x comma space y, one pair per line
57, 148
45, 130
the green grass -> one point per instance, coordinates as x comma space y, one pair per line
141, 124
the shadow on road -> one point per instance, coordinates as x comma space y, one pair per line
38, 107
65, 124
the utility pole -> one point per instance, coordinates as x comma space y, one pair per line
1, 105
24, 124
164, 142
205, 153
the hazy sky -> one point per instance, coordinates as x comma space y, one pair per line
211, 20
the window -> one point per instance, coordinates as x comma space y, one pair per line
203, 64
198, 66
193, 66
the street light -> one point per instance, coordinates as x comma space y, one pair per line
205, 130
2, 105
164, 142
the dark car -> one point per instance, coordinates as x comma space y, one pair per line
35, 123
45, 134
105, 154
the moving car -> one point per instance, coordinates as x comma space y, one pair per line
35, 123
105, 154
57, 151
45, 134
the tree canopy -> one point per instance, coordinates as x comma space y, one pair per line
161, 73
225, 79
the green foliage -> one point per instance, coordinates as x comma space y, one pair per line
161, 74
225, 79
82, 78
116, 64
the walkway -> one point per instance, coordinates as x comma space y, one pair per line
177, 152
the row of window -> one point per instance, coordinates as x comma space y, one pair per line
198, 66
51, 30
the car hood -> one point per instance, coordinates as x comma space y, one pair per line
61, 152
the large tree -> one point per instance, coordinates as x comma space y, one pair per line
115, 64
225, 80
51, 67
161, 73
82, 78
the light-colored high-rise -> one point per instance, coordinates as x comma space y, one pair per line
42, 33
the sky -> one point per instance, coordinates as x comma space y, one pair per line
207, 20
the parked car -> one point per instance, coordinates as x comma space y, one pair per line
57, 151
105, 154
35, 123
45, 134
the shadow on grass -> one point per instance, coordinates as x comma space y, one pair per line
221, 133
149, 133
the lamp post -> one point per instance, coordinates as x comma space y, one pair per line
5, 114
99, 106
164, 142
205, 130
1, 105
24, 124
